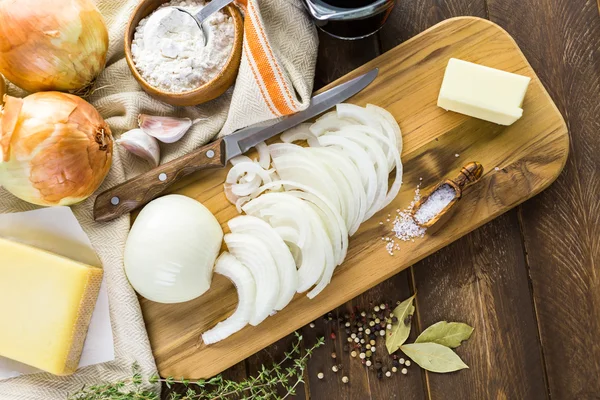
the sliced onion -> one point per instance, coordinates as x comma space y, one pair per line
253, 253
359, 114
306, 169
283, 204
329, 122
286, 267
230, 267
361, 159
396, 161
334, 223
264, 158
298, 133
381, 166
345, 173
386, 115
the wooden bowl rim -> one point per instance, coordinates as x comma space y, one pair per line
136, 17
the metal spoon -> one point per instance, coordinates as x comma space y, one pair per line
205, 12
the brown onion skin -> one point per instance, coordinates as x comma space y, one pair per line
67, 144
52, 44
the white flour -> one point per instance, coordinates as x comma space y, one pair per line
168, 47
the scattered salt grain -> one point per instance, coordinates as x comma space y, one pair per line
436, 202
405, 228
457, 155
497, 168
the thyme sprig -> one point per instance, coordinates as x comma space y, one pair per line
277, 382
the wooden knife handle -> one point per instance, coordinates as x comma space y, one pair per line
140, 190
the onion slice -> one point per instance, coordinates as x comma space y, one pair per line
256, 256
231, 268
286, 267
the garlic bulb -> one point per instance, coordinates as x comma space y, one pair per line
171, 249
165, 129
142, 145
55, 148
51, 44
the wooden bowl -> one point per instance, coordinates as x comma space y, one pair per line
211, 89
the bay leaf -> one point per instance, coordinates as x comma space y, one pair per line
434, 357
450, 334
396, 336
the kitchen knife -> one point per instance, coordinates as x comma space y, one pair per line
140, 190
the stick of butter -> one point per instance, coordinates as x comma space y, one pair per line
483, 92
47, 302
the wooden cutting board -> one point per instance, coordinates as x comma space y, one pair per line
520, 161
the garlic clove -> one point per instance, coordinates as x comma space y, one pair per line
165, 129
142, 145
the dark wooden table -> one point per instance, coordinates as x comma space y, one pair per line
529, 281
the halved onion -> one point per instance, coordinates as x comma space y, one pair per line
231, 268
256, 256
286, 267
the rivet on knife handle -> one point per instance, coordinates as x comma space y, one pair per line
140, 190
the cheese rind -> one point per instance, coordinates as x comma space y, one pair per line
483, 92
47, 303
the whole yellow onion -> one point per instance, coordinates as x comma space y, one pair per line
55, 148
51, 44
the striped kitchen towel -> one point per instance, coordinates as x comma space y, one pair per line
275, 79
278, 62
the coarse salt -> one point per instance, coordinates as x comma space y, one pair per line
405, 228
436, 202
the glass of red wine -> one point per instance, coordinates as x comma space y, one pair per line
350, 19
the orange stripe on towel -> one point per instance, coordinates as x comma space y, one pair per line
267, 75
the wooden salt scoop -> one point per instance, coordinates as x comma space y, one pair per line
469, 174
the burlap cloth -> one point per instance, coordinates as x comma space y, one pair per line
291, 39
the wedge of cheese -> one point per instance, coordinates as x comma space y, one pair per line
483, 92
46, 305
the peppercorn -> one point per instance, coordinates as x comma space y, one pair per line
382, 332
377, 320
369, 353
332, 336
356, 340
320, 375
401, 361
345, 379
368, 363
353, 336
360, 328
362, 356
333, 355
329, 316
347, 324
353, 353
368, 346
363, 314
379, 374
376, 309
371, 323
395, 363
394, 319
388, 327
334, 368
372, 342
388, 374
378, 365
367, 331
349, 340
407, 363
312, 325
404, 371
394, 369
348, 331
373, 349
382, 306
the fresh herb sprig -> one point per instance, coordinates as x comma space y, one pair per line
276, 382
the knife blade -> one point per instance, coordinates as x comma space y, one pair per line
140, 190
242, 141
